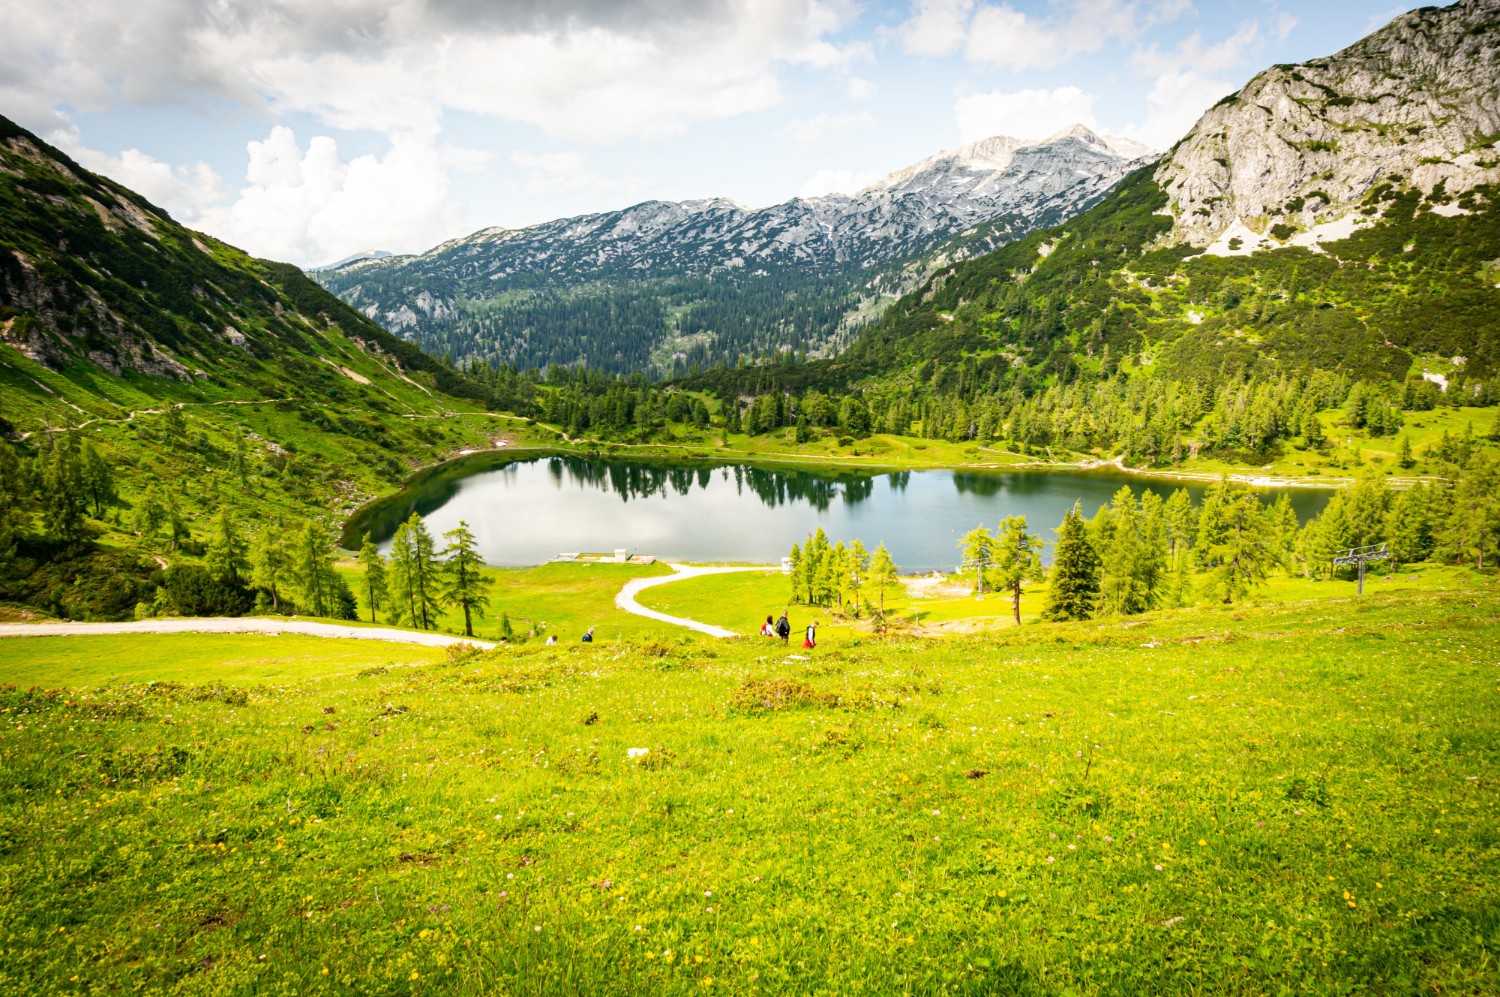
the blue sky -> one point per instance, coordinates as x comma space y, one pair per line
305, 130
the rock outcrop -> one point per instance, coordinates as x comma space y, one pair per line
1416, 103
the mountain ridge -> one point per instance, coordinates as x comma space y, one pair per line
836, 257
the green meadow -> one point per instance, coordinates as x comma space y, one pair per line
1295, 797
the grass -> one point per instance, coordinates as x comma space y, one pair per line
564, 599
202, 658
1240, 800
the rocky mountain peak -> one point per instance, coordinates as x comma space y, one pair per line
1296, 151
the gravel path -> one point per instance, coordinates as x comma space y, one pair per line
241, 625
626, 599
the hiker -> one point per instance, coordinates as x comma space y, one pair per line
588, 638
768, 629
551, 639
811, 640
783, 628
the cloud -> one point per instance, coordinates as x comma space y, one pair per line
821, 127
837, 182
184, 191
584, 69
1023, 114
309, 206
1187, 81
860, 89
936, 27
1007, 38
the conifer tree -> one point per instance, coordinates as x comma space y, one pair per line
1122, 559
98, 479
1074, 589
1181, 525
882, 573
149, 513
375, 574
798, 568
226, 555
1283, 519
1473, 526
13, 494
1017, 560
858, 560
270, 562
62, 491
1403, 454
1411, 525
1238, 544
414, 571
467, 587
312, 564
978, 550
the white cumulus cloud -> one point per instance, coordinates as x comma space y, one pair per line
936, 27
1023, 113
1187, 81
310, 206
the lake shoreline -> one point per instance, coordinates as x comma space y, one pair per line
729, 457
625, 468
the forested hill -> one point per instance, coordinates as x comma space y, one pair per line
1336, 216
151, 377
663, 286
93, 276
1185, 313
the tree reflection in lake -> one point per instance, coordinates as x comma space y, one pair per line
524, 511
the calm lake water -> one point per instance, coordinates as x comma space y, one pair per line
528, 511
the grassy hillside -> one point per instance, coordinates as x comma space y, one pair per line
1241, 801
216, 379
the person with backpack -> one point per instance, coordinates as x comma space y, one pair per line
811, 640
768, 629
783, 628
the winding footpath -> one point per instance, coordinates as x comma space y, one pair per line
233, 625
626, 599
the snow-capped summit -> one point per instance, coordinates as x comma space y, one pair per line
1010, 185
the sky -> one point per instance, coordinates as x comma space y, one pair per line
309, 130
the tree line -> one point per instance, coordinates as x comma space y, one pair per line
1144, 552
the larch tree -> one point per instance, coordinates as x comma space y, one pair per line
226, 557
312, 563
1239, 546
1473, 526
882, 573
1017, 560
978, 550
466, 585
271, 562
375, 574
858, 563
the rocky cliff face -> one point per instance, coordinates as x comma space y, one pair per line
1301, 147
992, 191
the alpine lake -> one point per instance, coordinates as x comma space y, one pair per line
527, 509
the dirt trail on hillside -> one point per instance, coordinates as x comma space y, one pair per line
626, 599
232, 625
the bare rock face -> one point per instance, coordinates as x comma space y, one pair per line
1416, 103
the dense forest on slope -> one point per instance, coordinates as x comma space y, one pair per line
1090, 337
151, 376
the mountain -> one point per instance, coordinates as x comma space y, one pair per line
668, 284
1292, 157
1326, 238
359, 257
206, 379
